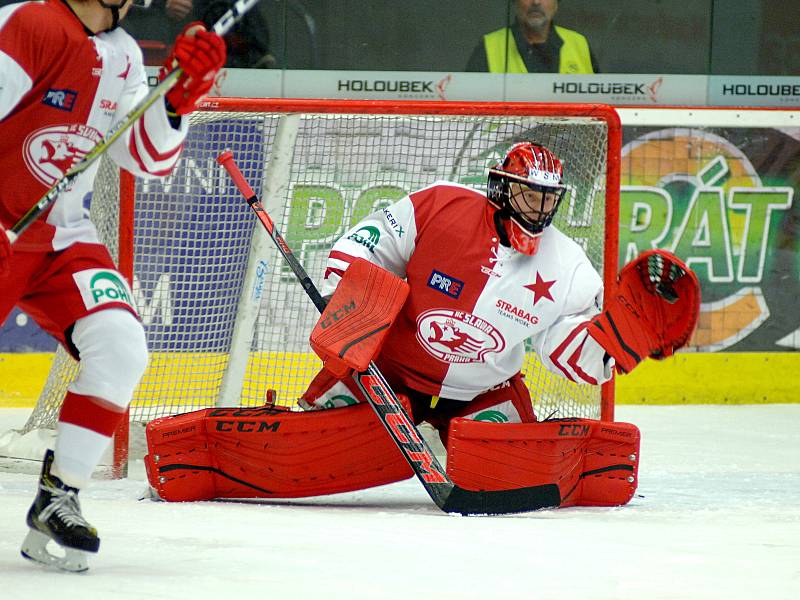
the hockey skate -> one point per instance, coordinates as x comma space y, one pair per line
56, 516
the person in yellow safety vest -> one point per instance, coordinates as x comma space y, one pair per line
533, 44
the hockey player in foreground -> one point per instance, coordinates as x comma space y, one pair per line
481, 278
68, 73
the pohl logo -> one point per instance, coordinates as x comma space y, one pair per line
101, 286
108, 287
366, 236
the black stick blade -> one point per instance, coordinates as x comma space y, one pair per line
502, 502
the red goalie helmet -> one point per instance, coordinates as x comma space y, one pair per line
527, 189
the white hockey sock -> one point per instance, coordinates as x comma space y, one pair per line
77, 452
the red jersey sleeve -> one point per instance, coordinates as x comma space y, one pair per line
28, 42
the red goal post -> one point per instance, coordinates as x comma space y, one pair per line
225, 321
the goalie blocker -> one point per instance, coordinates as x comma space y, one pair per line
267, 452
352, 328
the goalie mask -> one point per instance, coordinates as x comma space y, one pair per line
527, 189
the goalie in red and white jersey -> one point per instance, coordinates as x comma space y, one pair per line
68, 74
484, 277
442, 289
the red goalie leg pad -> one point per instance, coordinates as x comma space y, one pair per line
594, 463
270, 453
353, 327
179, 444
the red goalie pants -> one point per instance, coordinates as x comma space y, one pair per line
509, 402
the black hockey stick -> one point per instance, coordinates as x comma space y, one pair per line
221, 27
446, 494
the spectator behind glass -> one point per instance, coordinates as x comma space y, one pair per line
155, 28
248, 41
533, 44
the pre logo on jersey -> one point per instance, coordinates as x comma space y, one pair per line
445, 284
101, 286
455, 336
50, 152
60, 99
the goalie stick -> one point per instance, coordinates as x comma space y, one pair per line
447, 495
221, 27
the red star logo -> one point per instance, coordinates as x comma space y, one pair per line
540, 289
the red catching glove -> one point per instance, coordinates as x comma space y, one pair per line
5, 254
651, 311
201, 54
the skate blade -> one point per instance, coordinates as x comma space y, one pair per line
34, 548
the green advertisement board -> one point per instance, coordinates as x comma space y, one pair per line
723, 200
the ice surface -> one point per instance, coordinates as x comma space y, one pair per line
717, 516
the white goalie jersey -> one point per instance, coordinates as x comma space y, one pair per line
474, 303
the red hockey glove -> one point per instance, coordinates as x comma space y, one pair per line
201, 54
652, 310
5, 254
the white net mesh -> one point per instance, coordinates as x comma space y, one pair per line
193, 235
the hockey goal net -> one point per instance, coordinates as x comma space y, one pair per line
226, 320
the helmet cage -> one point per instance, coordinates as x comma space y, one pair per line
532, 221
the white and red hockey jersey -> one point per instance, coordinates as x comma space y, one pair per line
473, 302
61, 90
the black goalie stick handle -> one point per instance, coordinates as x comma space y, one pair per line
446, 494
221, 27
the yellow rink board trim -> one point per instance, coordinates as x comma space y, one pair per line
688, 378
22, 377
714, 378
